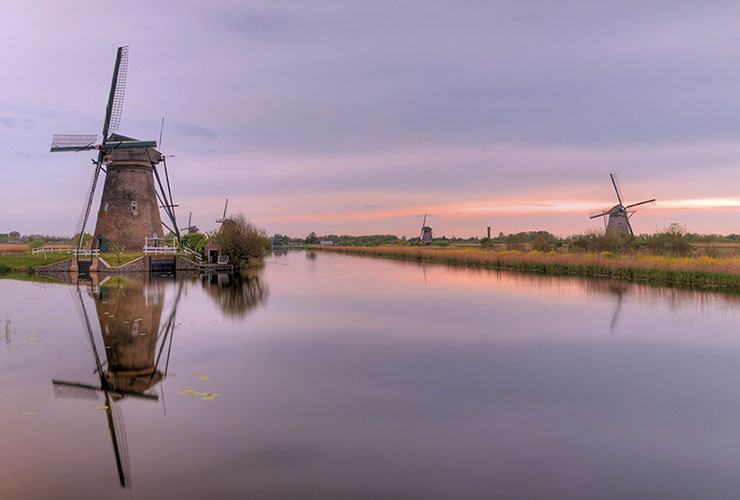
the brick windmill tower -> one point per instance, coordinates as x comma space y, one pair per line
129, 206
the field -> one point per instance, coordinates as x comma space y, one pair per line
26, 262
696, 271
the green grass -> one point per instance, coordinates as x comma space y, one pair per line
22, 263
113, 260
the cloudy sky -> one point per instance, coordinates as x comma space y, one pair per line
354, 117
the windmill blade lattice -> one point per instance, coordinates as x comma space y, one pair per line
117, 93
73, 142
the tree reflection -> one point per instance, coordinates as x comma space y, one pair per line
236, 294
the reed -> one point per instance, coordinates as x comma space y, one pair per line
685, 271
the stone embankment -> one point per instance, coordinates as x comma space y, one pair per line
140, 265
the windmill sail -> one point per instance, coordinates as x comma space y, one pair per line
72, 142
117, 91
86, 206
618, 217
223, 218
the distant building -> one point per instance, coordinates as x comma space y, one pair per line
326, 243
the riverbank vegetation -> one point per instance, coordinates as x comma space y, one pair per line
242, 241
701, 271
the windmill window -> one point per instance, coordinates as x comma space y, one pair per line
133, 206
106, 207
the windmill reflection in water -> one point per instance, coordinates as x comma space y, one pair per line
137, 353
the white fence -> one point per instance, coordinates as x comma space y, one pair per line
65, 249
152, 247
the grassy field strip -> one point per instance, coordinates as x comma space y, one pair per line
723, 272
114, 261
27, 263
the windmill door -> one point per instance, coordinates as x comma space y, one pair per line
103, 244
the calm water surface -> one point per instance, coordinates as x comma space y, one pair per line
333, 376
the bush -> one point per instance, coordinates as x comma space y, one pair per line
543, 244
674, 241
195, 241
604, 241
242, 240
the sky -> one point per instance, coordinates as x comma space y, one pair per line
357, 117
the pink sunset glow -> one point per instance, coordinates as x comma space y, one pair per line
312, 118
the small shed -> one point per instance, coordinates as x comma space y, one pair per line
215, 253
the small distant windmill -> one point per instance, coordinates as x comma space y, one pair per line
189, 229
619, 215
426, 236
223, 217
129, 206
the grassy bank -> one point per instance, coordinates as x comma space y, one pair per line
683, 271
26, 263
124, 258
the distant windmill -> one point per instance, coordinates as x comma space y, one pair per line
619, 215
223, 217
129, 206
426, 236
189, 229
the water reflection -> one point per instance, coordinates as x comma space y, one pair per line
371, 378
129, 314
236, 294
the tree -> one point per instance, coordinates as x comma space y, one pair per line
14, 235
85, 238
312, 239
118, 250
242, 240
195, 241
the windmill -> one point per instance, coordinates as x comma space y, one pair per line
189, 229
223, 217
129, 205
619, 215
426, 236
132, 362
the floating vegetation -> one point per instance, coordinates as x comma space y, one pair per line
102, 407
28, 413
206, 396
203, 377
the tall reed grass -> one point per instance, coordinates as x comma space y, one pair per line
685, 271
